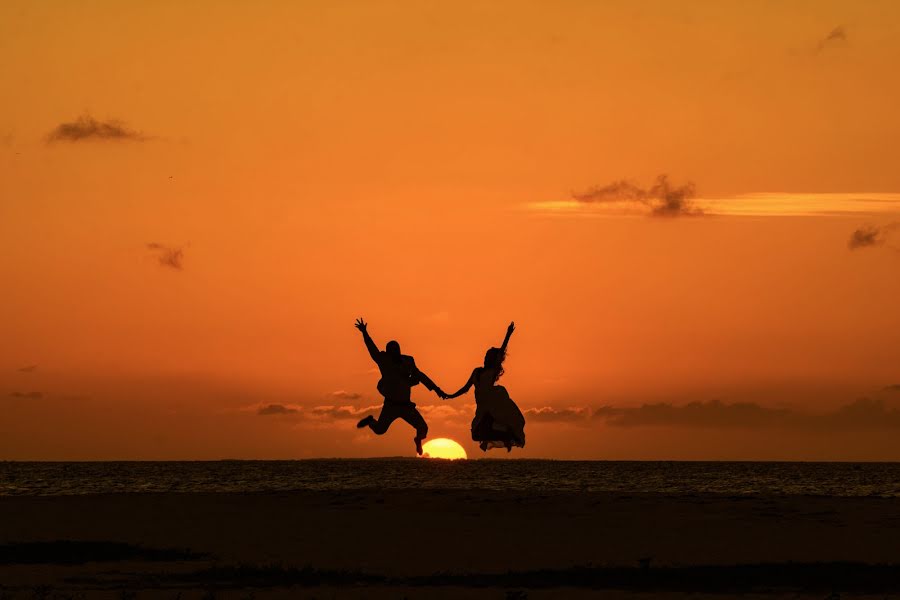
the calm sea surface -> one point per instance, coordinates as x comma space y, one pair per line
736, 478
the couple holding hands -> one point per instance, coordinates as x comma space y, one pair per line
498, 421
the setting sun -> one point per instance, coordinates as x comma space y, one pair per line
443, 448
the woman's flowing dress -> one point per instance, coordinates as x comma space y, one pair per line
498, 420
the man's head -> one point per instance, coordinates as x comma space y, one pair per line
392, 349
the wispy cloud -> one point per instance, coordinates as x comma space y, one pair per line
328, 413
662, 199
171, 257
835, 37
27, 395
28, 369
275, 409
448, 412
757, 204
870, 235
86, 128
339, 413
345, 395
549, 414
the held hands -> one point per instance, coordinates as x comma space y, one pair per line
361, 325
442, 394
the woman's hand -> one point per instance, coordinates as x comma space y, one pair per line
361, 325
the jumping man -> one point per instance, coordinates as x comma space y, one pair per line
398, 375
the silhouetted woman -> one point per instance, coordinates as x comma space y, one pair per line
498, 421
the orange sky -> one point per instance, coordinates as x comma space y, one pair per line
414, 163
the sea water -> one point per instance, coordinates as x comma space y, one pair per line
730, 478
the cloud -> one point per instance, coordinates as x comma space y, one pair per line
864, 237
340, 413
548, 414
662, 198
695, 414
328, 413
275, 409
895, 387
27, 395
870, 235
862, 414
836, 36
28, 369
345, 395
171, 257
448, 412
88, 128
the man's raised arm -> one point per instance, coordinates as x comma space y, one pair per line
370, 345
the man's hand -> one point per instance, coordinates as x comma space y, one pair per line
511, 328
361, 325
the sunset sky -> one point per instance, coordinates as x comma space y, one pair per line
197, 199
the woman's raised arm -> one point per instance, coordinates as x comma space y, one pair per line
509, 332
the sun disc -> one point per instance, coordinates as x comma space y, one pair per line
443, 448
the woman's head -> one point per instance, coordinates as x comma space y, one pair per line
493, 359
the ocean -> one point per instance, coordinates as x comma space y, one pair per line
539, 476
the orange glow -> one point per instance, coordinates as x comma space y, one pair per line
443, 448
182, 282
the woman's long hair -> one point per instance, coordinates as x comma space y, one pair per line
493, 359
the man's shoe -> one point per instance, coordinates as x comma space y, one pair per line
418, 442
365, 422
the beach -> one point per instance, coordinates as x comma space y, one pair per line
425, 543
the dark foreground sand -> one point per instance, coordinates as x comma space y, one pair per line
445, 544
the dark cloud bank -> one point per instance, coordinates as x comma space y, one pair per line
663, 199
864, 413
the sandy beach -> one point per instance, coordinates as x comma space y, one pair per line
425, 544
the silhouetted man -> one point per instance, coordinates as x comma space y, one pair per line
398, 375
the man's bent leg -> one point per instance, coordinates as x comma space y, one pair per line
412, 416
387, 416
